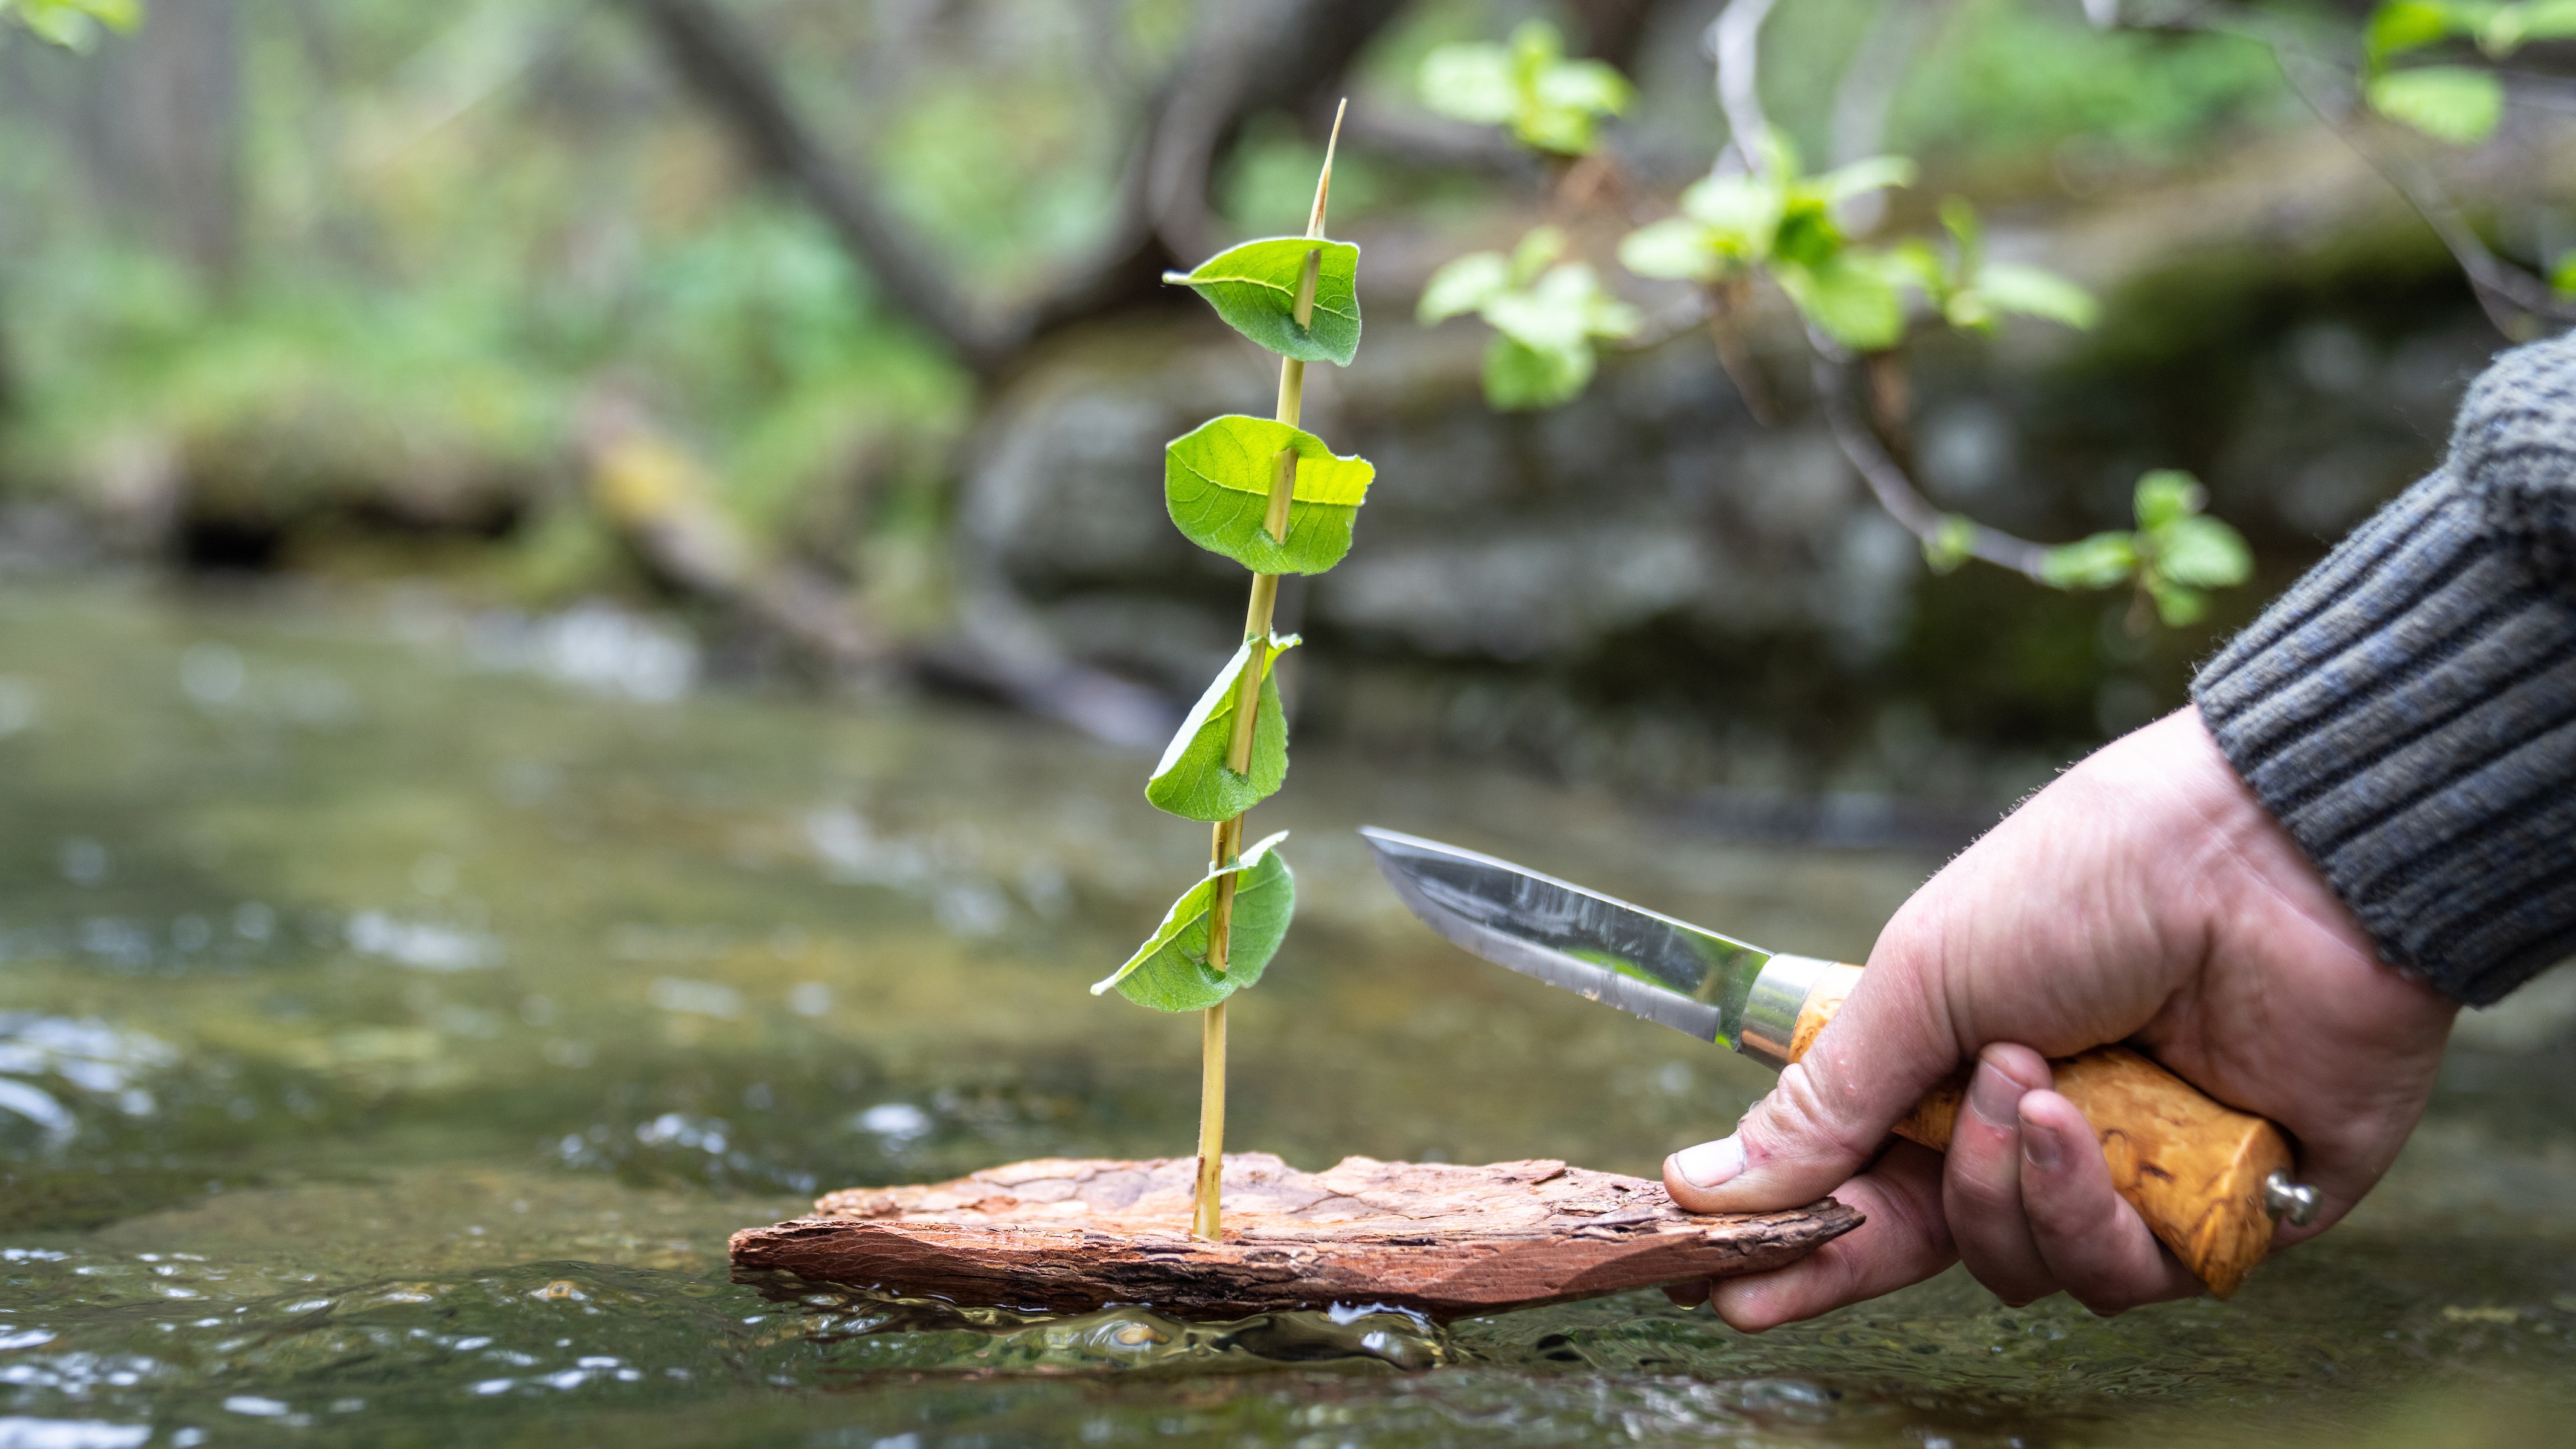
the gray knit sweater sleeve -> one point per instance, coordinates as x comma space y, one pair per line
2408, 709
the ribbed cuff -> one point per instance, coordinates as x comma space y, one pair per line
2408, 712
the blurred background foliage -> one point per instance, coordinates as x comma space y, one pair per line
372, 290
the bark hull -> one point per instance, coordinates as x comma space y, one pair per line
1073, 1235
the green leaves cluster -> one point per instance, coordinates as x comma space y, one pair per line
1547, 315
2459, 104
1970, 290
1526, 83
1217, 483
72, 24
1783, 223
2175, 554
1170, 972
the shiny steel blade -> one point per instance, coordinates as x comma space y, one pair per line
1605, 949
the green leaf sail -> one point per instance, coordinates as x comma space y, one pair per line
1192, 781
1170, 971
1216, 483
1254, 288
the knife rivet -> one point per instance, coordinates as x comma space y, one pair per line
2291, 1202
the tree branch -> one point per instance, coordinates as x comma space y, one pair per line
1246, 58
1735, 40
721, 61
2513, 299
1896, 492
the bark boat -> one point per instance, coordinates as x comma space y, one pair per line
1072, 1235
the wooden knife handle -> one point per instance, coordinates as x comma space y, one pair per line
2193, 1168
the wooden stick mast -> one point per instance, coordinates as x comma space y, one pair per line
1228, 842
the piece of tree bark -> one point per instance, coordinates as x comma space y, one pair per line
1073, 1235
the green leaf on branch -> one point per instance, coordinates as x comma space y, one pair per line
73, 24
2177, 605
1170, 971
1192, 781
1676, 249
2452, 103
1254, 288
1951, 544
1527, 84
1464, 286
2176, 553
1544, 356
2012, 287
2201, 552
2404, 25
1550, 313
2104, 561
2165, 496
1744, 211
1563, 310
2562, 278
1471, 82
1521, 378
1851, 296
1873, 173
1216, 483
2180, 546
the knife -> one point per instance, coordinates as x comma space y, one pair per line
2210, 1181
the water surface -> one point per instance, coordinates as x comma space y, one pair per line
399, 1006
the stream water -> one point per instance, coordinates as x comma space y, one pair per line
399, 1007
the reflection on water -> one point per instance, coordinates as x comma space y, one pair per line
393, 1025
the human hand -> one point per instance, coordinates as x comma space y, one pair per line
2145, 896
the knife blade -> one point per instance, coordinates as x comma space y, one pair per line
1602, 948
2209, 1180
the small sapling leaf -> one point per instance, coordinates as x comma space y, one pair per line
1464, 286
1192, 781
2453, 103
1216, 484
1170, 971
2562, 278
1254, 288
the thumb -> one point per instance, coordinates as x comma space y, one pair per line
1832, 1109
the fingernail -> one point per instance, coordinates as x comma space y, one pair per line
1994, 1097
1710, 1163
2042, 1147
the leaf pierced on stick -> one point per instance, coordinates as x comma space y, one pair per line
1193, 780
1216, 483
1170, 972
1254, 288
